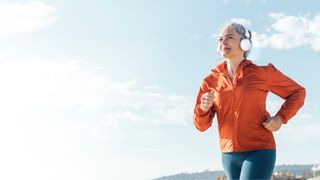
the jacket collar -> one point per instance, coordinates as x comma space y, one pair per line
222, 67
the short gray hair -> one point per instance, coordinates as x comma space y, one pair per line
241, 30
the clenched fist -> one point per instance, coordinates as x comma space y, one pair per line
273, 123
207, 101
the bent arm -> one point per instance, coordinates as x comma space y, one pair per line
286, 88
201, 119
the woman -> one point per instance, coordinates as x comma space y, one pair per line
236, 92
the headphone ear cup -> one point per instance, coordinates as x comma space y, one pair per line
245, 44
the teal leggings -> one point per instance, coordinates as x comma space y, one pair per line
257, 164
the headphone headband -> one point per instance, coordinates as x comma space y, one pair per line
247, 33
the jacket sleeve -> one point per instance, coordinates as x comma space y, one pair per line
202, 120
287, 89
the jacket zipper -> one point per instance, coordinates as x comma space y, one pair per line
233, 82
232, 111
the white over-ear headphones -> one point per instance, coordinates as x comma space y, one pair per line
245, 43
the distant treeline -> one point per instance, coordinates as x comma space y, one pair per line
301, 171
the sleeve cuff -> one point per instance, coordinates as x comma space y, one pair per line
200, 112
283, 118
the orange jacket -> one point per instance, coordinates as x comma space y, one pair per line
240, 105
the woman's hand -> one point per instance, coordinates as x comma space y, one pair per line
273, 123
207, 101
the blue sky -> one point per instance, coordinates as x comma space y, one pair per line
105, 89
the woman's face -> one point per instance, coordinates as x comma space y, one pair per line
229, 44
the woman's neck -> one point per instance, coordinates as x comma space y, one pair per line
233, 63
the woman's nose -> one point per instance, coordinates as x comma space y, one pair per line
223, 43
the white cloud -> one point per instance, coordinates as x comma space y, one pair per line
61, 112
289, 32
299, 130
25, 17
242, 21
28, 85
259, 40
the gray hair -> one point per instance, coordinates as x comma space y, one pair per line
241, 30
